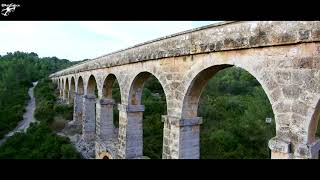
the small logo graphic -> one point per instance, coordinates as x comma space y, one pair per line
8, 8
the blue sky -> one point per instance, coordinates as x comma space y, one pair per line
78, 40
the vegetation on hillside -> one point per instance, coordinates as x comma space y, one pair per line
40, 141
47, 108
234, 108
18, 71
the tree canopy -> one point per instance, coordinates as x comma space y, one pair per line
18, 71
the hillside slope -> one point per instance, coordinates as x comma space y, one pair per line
18, 71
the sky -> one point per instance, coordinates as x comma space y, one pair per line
78, 40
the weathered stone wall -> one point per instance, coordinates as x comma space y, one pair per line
181, 138
104, 121
89, 118
219, 37
130, 131
289, 75
78, 109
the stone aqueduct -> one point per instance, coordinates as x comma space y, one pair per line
283, 56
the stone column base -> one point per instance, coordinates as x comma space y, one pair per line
104, 119
89, 118
280, 149
130, 131
181, 138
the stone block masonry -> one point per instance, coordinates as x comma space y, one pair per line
283, 56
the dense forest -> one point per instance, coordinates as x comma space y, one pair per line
234, 108
18, 71
40, 141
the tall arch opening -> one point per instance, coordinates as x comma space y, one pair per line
89, 110
66, 89
58, 88
62, 86
238, 120
78, 105
108, 119
72, 90
92, 86
111, 90
147, 90
80, 86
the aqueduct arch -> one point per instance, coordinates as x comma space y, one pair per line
91, 87
89, 109
107, 85
283, 56
131, 117
78, 103
136, 87
59, 87
72, 90
195, 88
105, 155
66, 90
106, 130
62, 89
198, 79
80, 86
